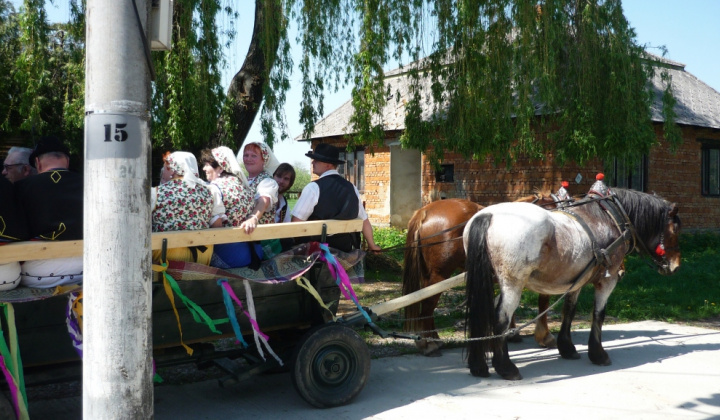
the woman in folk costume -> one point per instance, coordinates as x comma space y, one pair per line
223, 171
260, 163
185, 203
256, 207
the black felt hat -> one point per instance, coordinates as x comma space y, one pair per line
326, 153
48, 144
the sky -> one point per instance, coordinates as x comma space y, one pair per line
689, 29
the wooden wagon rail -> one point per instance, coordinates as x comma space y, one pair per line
41, 250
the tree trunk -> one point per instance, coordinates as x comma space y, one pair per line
246, 88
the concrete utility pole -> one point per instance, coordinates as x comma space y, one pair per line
117, 367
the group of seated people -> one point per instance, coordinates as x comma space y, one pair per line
229, 197
48, 205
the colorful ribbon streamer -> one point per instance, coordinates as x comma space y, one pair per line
342, 280
11, 364
73, 319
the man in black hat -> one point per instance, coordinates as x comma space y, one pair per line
332, 197
52, 202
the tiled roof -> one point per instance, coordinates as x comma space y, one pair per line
697, 103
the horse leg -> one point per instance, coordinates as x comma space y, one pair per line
542, 332
596, 353
427, 344
515, 338
564, 341
501, 357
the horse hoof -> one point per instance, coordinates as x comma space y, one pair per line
570, 356
548, 342
511, 376
434, 353
480, 372
429, 348
600, 360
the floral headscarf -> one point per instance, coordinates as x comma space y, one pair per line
270, 162
227, 161
185, 164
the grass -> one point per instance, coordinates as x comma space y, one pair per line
691, 294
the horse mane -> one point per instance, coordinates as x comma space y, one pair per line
647, 212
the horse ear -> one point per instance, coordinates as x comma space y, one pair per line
673, 211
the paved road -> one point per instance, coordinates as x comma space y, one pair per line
659, 371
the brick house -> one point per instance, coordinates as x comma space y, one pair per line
395, 182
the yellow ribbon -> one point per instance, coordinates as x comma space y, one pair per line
77, 308
305, 284
171, 297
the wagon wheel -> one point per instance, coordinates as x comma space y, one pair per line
330, 365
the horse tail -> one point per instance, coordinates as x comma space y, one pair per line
480, 314
413, 272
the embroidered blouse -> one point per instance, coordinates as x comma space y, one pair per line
178, 206
237, 200
264, 185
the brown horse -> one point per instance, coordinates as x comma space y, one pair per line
434, 251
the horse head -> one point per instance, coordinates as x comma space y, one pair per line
667, 252
657, 227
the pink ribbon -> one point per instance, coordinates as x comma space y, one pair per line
254, 323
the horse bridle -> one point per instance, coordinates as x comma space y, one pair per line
660, 251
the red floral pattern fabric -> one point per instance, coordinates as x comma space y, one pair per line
182, 207
269, 215
238, 200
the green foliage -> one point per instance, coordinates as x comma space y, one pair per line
302, 176
391, 237
9, 52
386, 237
484, 69
32, 67
187, 97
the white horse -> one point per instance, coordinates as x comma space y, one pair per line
555, 252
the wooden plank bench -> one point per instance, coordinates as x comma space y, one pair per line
42, 250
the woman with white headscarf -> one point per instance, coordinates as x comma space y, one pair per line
260, 163
223, 172
185, 203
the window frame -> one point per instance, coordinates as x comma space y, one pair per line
441, 176
354, 167
710, 149
610, 169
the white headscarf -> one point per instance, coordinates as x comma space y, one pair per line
227, 161
185, 164
270, 162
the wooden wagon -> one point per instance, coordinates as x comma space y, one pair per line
328, 361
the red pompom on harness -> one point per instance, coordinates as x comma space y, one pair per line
660, 250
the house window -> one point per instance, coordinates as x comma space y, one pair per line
446, 173
711, 169
354, 168
618, 173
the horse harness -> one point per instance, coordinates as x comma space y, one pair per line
627, 231
601, 256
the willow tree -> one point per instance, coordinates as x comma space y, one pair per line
502, 74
